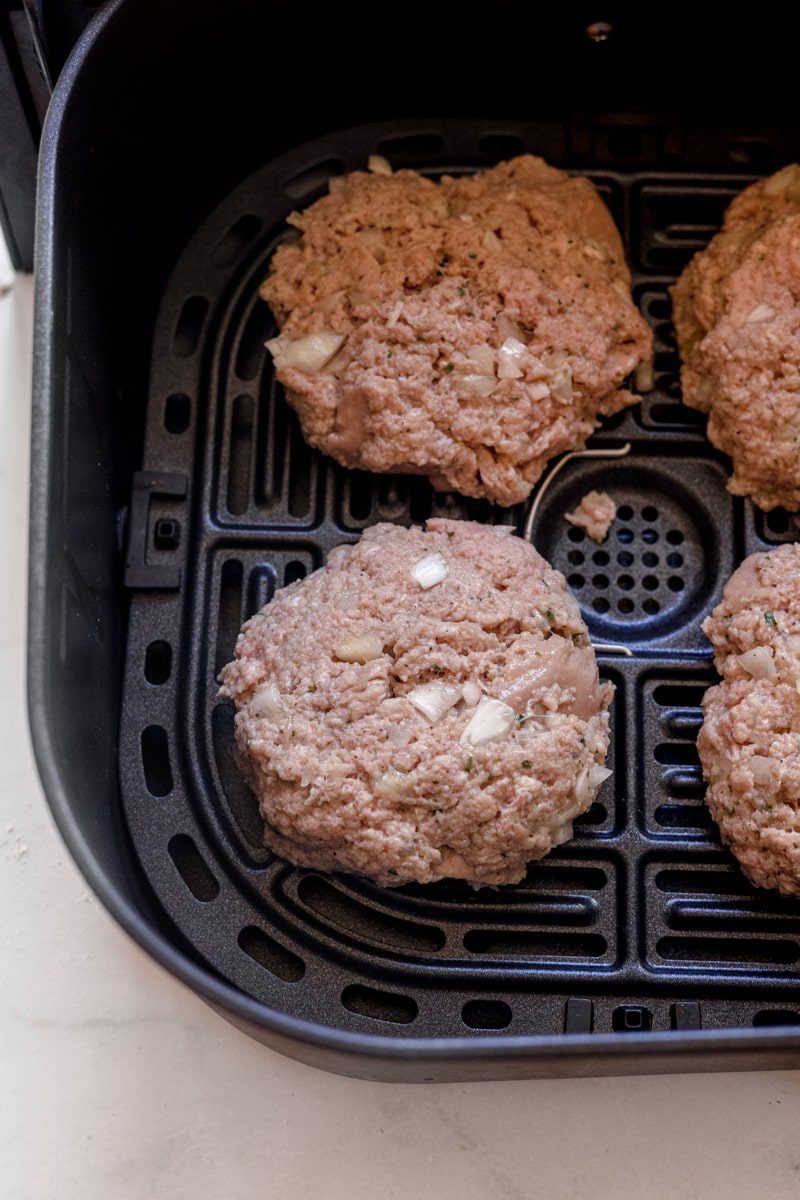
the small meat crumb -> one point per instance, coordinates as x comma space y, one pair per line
595, 514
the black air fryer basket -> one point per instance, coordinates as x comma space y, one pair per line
172, 493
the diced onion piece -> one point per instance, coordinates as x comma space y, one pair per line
598, 775
491, 241
267, 701
471, 693
786, 182
390, 783
394, 315
761, 769
400, 735
430, 570
793, 643
562, 834
507, 327
338, 363
581, 790
379, 165
778, 183
587, 784
593, 739
643, 377
538, 391
511, 353
434, 699
758, 662
481, 357
560, 385
761, 313
361, 648
482, 385
309, 353
491, 721
295, 218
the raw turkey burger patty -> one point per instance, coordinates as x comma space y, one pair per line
750, 741
467, 330
426, 706
737, 317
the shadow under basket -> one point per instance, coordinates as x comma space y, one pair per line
159, 527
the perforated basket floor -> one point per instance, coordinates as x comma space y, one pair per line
641, 922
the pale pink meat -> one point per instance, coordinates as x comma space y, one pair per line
750, 741
737, 316
351, 776
486, 323
595, 514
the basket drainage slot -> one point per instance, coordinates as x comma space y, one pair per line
190, 326
240, 234
177, 413
776, 1016
155, 760
230, 611
486, 1014
270, 955
313, 179
369, 925
239, 464
379, 1006
158, 662
192, 868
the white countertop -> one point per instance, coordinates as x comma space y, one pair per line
116, 1083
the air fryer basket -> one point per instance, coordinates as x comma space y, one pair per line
637, 946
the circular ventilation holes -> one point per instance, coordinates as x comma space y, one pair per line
653, 565
636, 578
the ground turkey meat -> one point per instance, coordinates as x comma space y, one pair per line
750, 741
426, 706
737, 317
595, 514
467, 330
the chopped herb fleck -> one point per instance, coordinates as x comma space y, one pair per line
520, 717
551, 616
437, 670
514, 398
448, 367
391, 871
472, 254
389, 354
770, 618
469, 764
527, 764
461, 291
